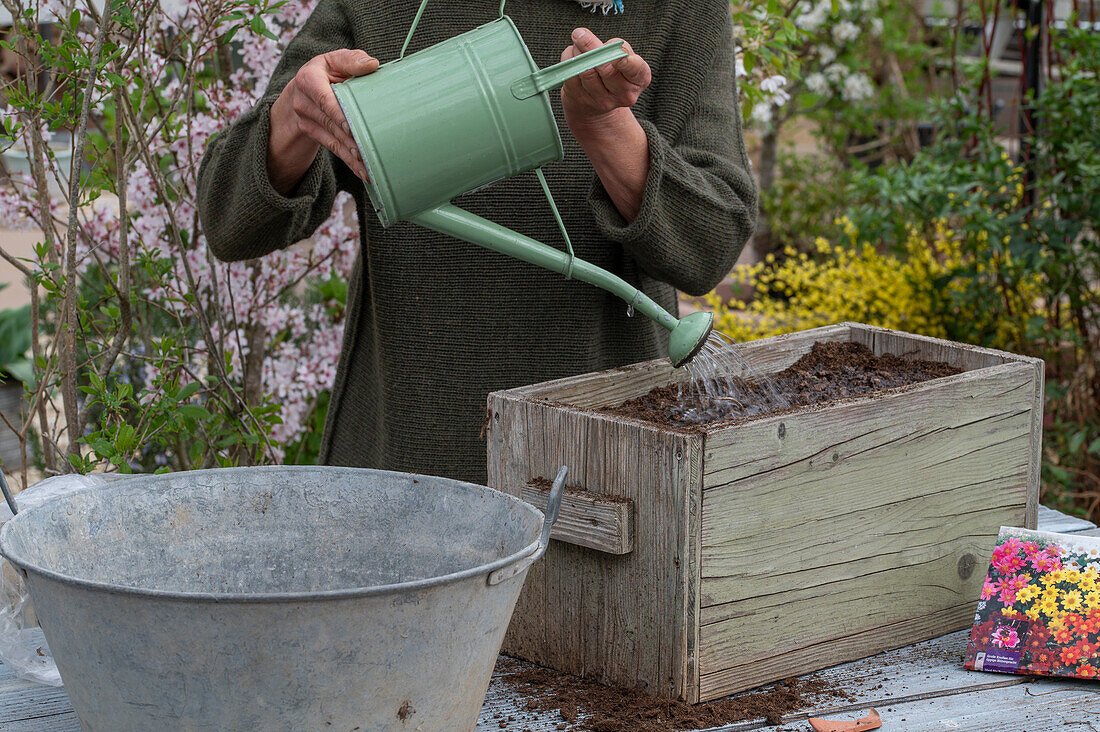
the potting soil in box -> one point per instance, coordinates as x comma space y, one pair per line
694, 561
830, 371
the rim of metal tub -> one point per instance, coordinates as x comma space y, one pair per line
268, 597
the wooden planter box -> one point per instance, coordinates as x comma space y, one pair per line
698, 564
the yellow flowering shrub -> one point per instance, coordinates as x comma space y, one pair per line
911, 290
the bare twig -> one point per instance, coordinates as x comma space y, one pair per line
122, 287
70, 401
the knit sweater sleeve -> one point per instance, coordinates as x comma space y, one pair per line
242, 214
699, 204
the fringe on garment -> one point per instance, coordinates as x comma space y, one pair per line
606, 6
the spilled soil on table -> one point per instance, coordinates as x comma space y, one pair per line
585, 706
830, 371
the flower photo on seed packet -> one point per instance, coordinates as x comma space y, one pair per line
1039, 611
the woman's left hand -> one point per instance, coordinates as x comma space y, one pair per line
589, 98
597, 107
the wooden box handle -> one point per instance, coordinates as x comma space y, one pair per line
603, 523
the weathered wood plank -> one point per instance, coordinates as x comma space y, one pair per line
688, 687
588, 519
602, 388
882, 340
893, 682
1061, 523
772, 355
21, 699
734, 659
838, 461
926, 348
872, 559
1040, 705
919, 671
738, 451
615, 618
64, 722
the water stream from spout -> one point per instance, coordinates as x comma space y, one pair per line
721, 384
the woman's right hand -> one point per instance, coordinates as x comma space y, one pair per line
306, 117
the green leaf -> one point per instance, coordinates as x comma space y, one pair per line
259, 27
194, 411
189, 391
125, 438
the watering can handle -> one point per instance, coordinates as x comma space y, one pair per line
416, 22
554, 76
553, 508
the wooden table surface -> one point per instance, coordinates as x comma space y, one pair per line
919, 687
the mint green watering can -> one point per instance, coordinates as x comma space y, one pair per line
462, 115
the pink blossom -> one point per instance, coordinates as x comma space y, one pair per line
1006, 560
1010, 586
1006, 637
1048, 560
1030, 548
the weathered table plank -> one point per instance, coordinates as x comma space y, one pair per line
1061, 523
1035, 706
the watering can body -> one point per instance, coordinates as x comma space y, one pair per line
445, 121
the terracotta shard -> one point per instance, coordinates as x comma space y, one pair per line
871, 721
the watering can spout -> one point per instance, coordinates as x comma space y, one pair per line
687, 335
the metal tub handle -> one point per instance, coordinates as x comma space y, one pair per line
553, 508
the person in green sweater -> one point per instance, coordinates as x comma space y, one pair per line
654, 187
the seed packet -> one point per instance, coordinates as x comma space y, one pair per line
1039, 611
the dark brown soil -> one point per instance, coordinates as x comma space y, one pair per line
829, 371
592, 707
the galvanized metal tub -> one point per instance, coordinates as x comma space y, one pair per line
277, 598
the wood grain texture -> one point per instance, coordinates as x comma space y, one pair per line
1060, 523
967, 357
688, 688
772, 355
901, 498
618, 619
1037, 705
588, 519
603, 388
872, 489
866, 643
